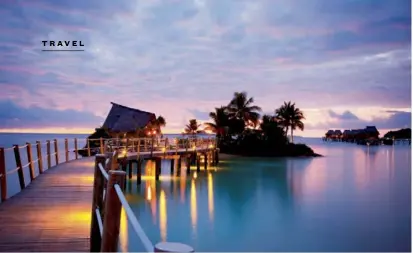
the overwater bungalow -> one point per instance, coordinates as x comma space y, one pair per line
123, 121
333, 135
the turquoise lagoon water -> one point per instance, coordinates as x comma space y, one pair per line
356, 198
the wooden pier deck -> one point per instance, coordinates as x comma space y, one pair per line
53, 213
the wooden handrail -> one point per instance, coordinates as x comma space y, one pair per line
104, 238
42, 156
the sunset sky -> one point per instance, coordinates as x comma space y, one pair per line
345, 63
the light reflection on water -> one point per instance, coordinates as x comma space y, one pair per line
356, 198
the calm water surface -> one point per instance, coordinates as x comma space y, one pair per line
354, 199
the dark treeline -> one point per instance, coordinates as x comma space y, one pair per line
405, 133
242, 130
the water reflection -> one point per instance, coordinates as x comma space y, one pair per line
210, 196
162, 215
123, 233
194, 210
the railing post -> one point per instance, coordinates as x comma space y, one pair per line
88, 146
56, 151
76, 154
39, 156
30, 160
19, 166
3, 175
139, 148
48, 153
95, 238
111, 223
66, 150
101, 145
152, 140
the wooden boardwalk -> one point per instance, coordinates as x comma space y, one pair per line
53, 213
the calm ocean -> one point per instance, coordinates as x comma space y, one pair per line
356, 198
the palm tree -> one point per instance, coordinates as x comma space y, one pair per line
290, 117
220, 121
156, 124
241, 107
192, 127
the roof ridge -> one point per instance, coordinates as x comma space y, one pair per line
130, 108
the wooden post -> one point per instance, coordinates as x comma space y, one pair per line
19, 166
30, 160
127, 144
157, 168
95, 238
3, 177
56, 151
39, 156
66, 150
216, 156
76, 154
205, 161
198, 163
145, 145
49, 159
172, 166
166, 146
88, 146
139, 148
188, 165
111, 223
176, 146
130, 169
139, 172
172, 247
152, 146
101, 145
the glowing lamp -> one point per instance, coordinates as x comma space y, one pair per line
195, 175
154, 132
163, 149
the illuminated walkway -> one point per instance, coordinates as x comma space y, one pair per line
52, 213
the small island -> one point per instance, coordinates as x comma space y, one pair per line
405, 133
241, 130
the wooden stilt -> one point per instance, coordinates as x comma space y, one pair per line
157, 168
139, 172
172, 166
188, 165
205, 161
130, 169
198, 163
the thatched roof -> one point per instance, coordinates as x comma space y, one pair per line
337, 132
329, 132
371, 129
125, 119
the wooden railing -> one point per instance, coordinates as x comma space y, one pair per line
42, 159
108, 200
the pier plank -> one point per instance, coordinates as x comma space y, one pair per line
52, 213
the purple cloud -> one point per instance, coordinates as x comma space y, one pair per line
190, 56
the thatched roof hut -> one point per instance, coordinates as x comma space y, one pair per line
372, 131
123, 119
337, 132
329, 132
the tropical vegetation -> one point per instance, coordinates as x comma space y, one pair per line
241, 129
